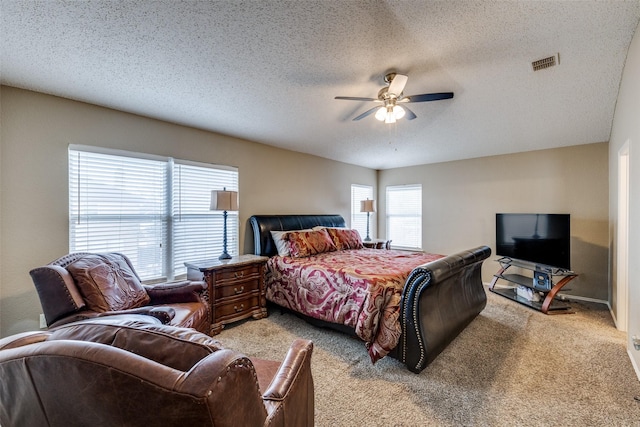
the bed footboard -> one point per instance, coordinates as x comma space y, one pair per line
439, 300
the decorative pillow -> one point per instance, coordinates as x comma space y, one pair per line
345, 238
306, 243
107, 283
279, 238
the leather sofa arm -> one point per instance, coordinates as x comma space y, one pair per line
226, 376
298, 355
175, 292
289, 399
24, 338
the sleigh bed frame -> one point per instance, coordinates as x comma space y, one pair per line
439, 299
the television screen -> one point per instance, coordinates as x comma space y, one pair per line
537, 238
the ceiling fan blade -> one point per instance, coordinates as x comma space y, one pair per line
409, 115
428, 97
355, 98
397, 84
366, 113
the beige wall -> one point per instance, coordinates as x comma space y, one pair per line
626, 129
36, 131
460, 200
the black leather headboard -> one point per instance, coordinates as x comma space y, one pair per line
263, 224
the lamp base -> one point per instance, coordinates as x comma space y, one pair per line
225, 254
367, 239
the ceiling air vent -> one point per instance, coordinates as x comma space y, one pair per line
543, 63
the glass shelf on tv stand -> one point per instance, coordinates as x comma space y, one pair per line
547, 290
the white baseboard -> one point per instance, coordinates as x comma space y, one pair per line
613, 316
579, 298
633, 363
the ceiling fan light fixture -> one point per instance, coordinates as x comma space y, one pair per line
389, 96
390, 113
398, 111
390, 117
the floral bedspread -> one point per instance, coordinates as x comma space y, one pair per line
357, 288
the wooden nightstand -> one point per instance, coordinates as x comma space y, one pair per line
235, 286
377, 244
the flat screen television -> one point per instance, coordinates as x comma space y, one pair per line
536, 238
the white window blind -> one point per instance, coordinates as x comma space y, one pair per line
197, 231
359, 219
154, 210
404, 215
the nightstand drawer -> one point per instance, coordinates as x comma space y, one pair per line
237, 308
234, 275
237, 288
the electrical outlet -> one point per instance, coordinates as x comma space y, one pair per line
43, 321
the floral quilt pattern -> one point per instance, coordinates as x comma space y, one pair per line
357, 288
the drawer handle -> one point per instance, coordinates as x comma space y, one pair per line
237, 309
238, 291
239, 275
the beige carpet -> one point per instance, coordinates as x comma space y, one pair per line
512, 366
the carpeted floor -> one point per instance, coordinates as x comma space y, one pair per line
512, 366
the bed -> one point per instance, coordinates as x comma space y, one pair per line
406, 305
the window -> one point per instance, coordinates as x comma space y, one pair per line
154, 210
404, 215
197, 231
359, 219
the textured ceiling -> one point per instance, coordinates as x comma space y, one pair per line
268, 71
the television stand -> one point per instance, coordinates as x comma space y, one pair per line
541, 284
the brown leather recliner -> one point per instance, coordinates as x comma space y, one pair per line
86, 285
111, 371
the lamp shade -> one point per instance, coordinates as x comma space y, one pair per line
223, 200
367, 205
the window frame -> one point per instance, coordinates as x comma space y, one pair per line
361, 192
412, 214
189, 220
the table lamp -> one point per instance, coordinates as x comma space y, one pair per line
224, 201
367, 206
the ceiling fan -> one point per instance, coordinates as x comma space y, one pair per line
391, 100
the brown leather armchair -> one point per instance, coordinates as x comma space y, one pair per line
112, 371
86, 285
